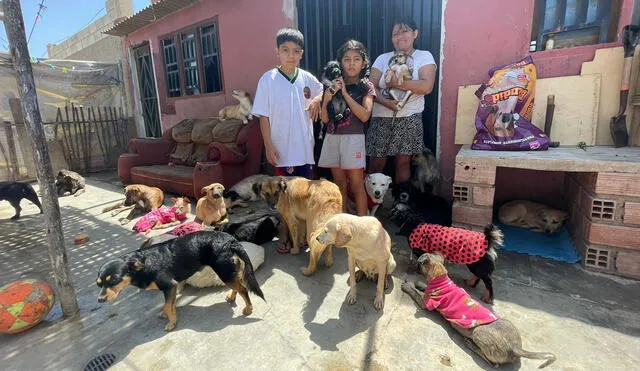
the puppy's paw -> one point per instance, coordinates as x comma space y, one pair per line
15, 217
306, 271
487, 299
378, 302
162, 314
170, 326
231, 297
351, 297
247, 310
114, 213
407, 287
124, 221
328, 261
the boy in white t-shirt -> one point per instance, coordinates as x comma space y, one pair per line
282, 100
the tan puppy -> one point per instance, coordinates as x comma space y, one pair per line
369, 247
211, 209
497, 340
533, 216
305, 205
140, 198
240, 111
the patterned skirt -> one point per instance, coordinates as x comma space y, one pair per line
386, 137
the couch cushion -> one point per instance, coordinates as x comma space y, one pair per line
182, 154
175, 179
181, 133
199, 154
201, 133
226, 132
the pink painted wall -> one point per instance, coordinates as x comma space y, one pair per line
247, 31
480, 35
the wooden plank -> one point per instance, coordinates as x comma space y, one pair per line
573, 159
577, 99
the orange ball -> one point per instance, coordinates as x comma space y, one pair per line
23, 304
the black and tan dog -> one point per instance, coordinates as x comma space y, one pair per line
14, 192
165, 265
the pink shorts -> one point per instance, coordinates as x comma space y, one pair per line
344, 151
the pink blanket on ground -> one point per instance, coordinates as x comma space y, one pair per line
186, 228
161, 215
455, 304
458, 245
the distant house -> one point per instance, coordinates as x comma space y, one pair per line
186, 56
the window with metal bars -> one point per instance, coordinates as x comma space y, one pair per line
192, 61
560, 24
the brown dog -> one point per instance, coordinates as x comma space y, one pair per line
211, 209
369, 247
496, 340
533, 216
140, 199
305, 205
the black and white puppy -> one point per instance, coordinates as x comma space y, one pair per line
338, 108
14, 192
242, 192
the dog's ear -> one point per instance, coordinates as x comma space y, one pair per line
389, 179
343, 234
174, 200
423, 259
438, 257
186, 200
257, 188
203, 191
565, 216
282, 185
135, 263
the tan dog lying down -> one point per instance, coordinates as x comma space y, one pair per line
494, 339
140, 198
211, 209
533, 216
305, 205
369, 247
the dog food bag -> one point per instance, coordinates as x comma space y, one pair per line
503, 118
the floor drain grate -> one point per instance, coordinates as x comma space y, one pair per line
100, 363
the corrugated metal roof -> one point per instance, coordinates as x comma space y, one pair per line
147, 16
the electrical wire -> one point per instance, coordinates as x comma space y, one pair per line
83, 27
38, 15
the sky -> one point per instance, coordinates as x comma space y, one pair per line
60, 20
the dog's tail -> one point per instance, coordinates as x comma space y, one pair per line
30, 194
494, 238
550, 358
249, 276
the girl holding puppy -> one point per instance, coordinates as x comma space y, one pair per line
343, 150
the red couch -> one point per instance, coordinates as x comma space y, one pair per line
148, 162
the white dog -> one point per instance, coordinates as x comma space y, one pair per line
376, 185
240, 111
369, 247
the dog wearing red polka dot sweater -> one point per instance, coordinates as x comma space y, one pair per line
461, 246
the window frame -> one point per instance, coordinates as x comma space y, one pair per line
607, 23
175, 36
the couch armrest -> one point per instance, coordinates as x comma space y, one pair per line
152, 151
125, 162
225, 155
206, 173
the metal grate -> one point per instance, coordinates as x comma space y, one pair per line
603, 209
597, 258
461, 193
101, 362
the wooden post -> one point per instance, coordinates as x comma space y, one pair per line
14, 26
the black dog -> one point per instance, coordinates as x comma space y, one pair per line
164, 265
14, 192
68, 181
258, 227
412, 209
337, 108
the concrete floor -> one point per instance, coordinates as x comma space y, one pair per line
590, 321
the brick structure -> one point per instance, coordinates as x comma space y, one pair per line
602, 189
